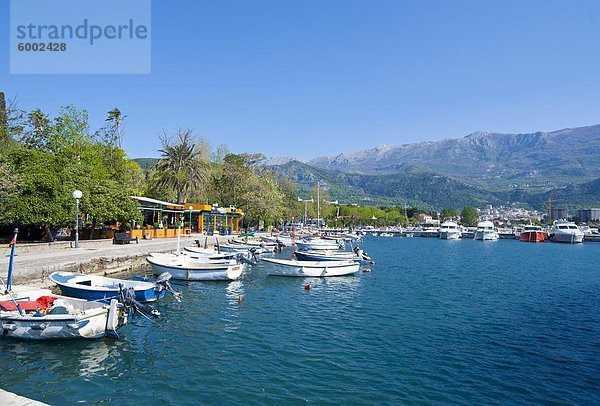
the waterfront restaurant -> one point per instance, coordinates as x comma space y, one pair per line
164, 218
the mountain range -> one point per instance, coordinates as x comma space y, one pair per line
480, 168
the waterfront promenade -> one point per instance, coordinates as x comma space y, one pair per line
34, 262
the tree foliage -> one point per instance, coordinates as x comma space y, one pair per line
183, 165
53, 158
469, 216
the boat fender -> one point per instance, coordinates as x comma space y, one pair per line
9, 326
307, 286
366, 270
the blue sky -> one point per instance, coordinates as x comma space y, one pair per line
311, 78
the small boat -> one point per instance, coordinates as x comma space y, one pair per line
37, 314
326, 256
182, 269
319, 244
531, 233
566, 231
101, 288
449, 230
241, 248
386, 235
189, 258
486, 231
283, 267
208, 253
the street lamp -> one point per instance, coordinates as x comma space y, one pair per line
305, 207
77, 194
213, 223
191, 208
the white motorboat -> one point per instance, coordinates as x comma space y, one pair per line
182, 269
284, 267
566, 231
37, 314
241, 248
210, 253
486, 231
319, 244
449, 230
189, 258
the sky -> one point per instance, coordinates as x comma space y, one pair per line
308, 78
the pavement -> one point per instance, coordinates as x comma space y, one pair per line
8, 398
35, 262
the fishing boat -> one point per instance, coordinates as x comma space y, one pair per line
319, 244
209, 253
101, 288
565, 231
182, 269
357, 255
485, 231
449, 230
242, 248
531, 233
36, 314
283, 267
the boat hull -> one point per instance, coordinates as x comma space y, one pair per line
567, 238
66, 281
283, 267
311, 256
92, 323
486, 236
533, 236
450, 235
210, 272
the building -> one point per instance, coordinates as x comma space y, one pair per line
559, 214
588, 215
193, 218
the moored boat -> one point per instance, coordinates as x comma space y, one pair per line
449, 230
532, 233
283, 267
183, 270
566, 231
101, 288
485, 231
36, 314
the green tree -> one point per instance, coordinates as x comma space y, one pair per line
183, 166
115, 119
469, 216
448, 213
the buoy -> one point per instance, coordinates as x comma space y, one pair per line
372, 262
307, 286
366, 270
240, 298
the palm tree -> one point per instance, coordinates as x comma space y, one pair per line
116, 118
182, 165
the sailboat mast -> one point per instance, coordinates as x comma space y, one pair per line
318, 205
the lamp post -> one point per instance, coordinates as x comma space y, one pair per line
191, 208
77, 194
305, 207
214, 217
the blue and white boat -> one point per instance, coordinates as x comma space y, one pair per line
101, 288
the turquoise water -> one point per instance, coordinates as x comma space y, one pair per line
434, 322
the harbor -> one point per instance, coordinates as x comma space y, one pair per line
447, 314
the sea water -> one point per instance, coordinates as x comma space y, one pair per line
434, 321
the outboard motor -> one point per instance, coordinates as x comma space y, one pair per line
127, 299
163, 281
241, 258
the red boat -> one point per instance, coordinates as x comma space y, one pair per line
533, 234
